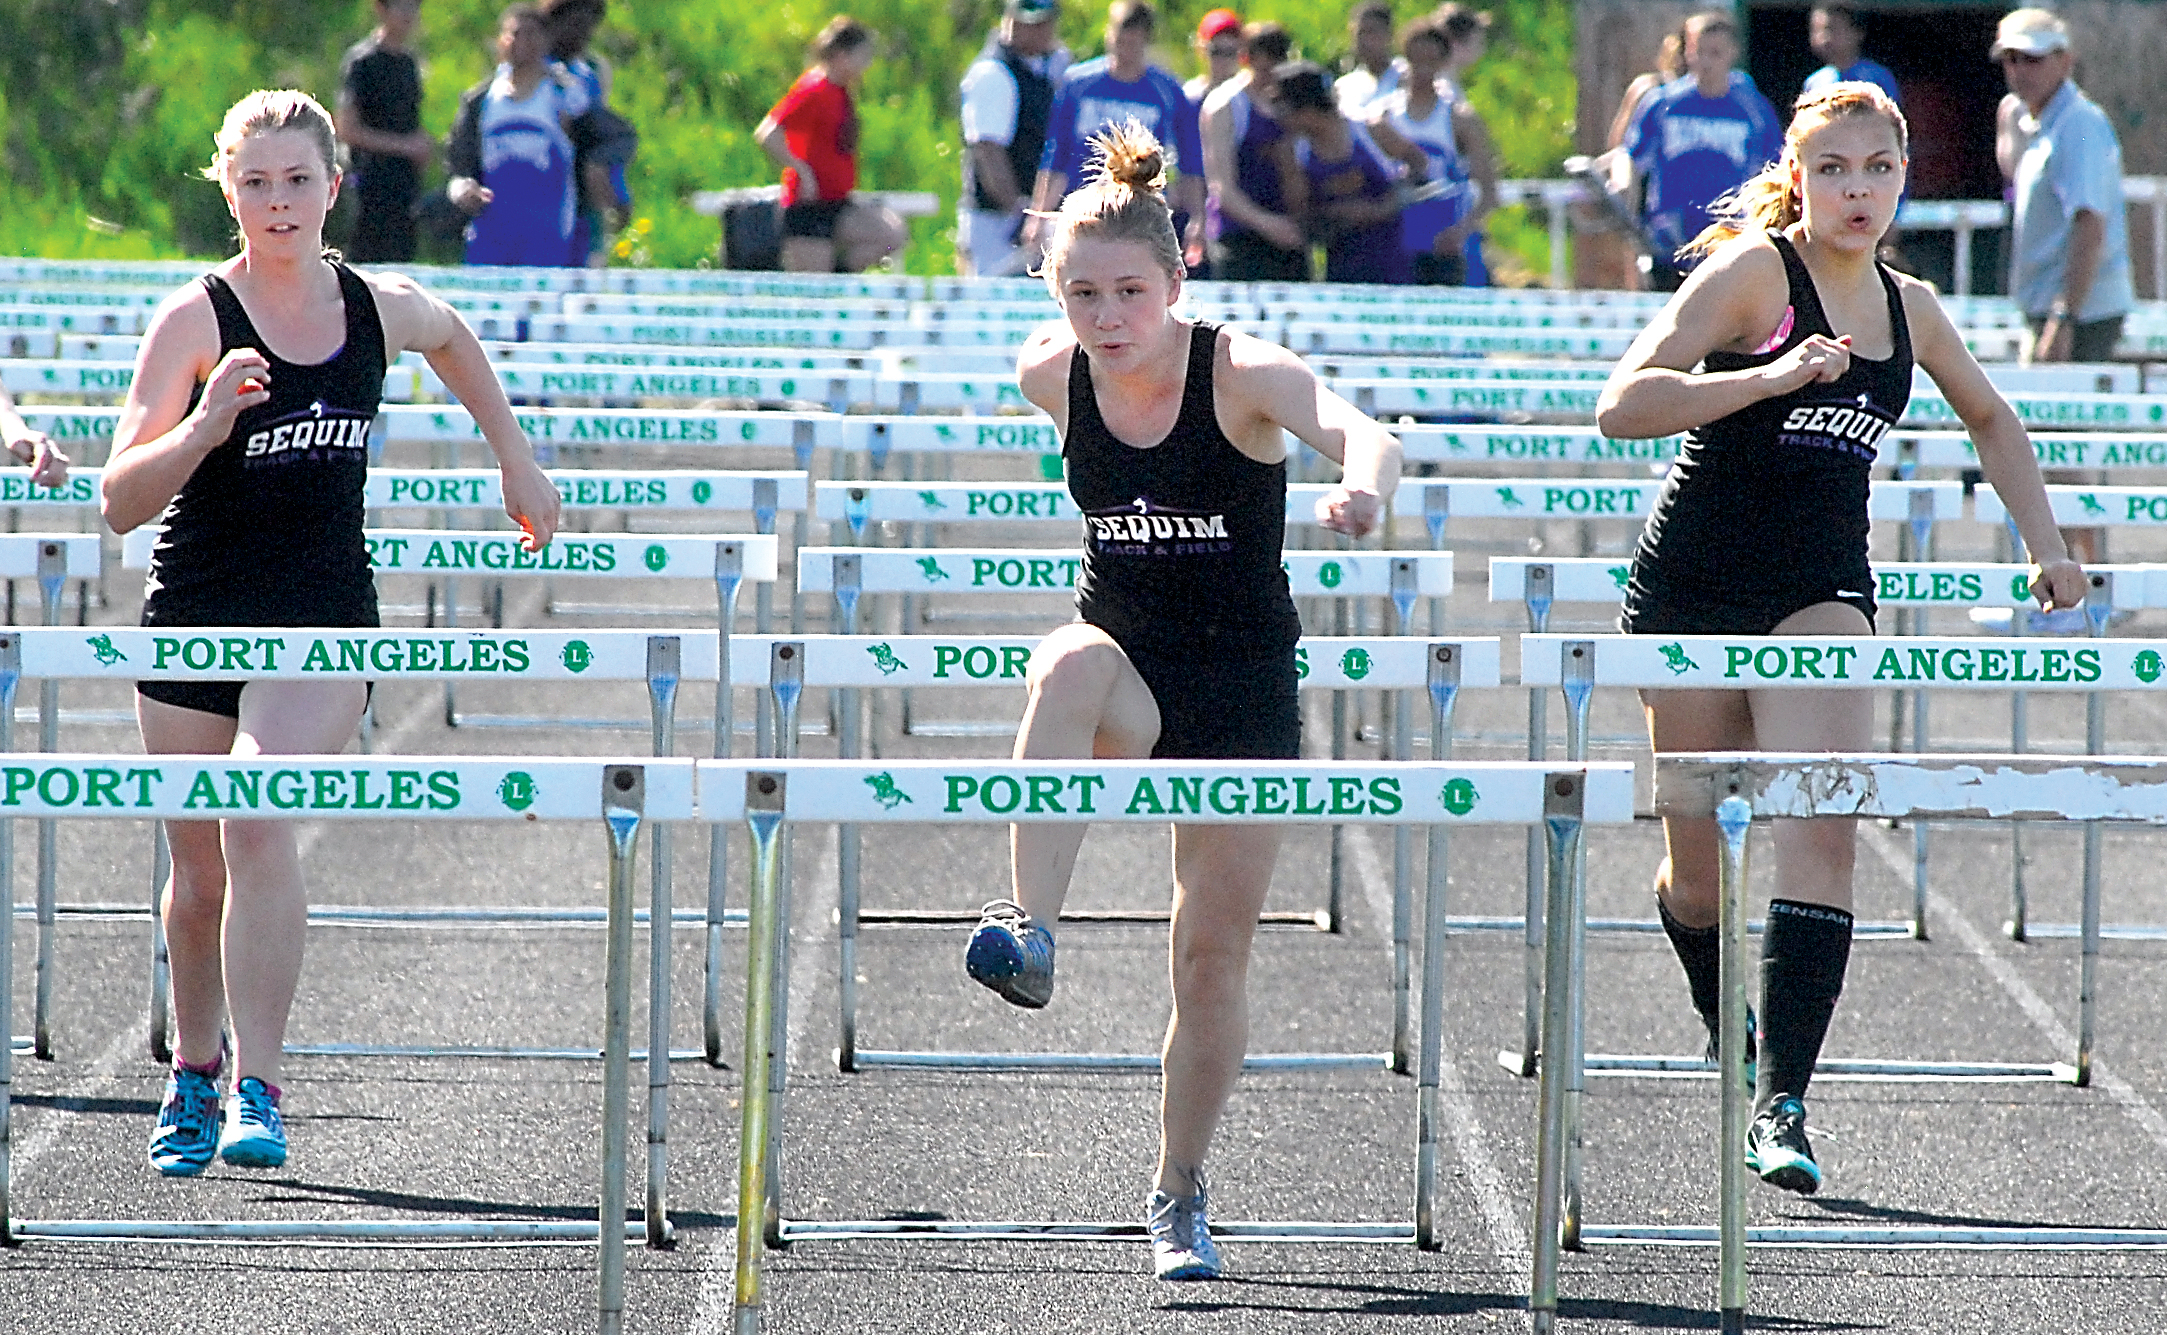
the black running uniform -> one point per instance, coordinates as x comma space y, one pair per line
1764, 514
267, 530
1181, 566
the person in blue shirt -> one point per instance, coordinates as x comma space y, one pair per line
1836, 36
1119, 86
511, 154
1696, 140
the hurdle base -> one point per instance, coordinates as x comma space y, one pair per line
1913, 1238
1026, 1230
2070, 931
1320, 919
962, 728
1110, 1061
1650, 926
298, 1232
1855, 1070
503, 1054
449, 916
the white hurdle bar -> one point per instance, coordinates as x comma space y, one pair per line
1439, 667
1740, 788
1435, 795
175, 787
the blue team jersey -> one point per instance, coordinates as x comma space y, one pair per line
1090, 98
1693, 150
527, 165
1865, 71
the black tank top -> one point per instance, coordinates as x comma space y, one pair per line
267, 530
1182, 540
1772, 498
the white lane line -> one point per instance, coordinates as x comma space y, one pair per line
2058, 1036
811, 903
107, 1065
1499, 1216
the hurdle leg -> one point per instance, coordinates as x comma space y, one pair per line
1444, 690
846, 912
2019, 739
787, 673
1918, 827
1538, 744
2095, 743
1561, 833
664, 664
764, 799
1577, 672
161, 959
1734, 819
7, 974
451, 621
52, 570
1335, 896
729, 576
1403, 906
624, 791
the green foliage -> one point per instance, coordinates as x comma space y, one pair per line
107, 109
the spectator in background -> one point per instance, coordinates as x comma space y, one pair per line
1669, 67
511, 154
1469, 33
1219, 44
379, 121
1351, 174
1434, 232
601, 157
813, 135
1256, 238
1696, 140
1007, 101
1370, 73
1605, 254
2071, 273
1119, 86
1836, 36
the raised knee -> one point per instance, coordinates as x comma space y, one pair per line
1081, 669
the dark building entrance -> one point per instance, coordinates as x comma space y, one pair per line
1949, 88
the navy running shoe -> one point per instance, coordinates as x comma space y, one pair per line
1181, 1245
255, 1135
186, 1138
1777, 1149
1012, 954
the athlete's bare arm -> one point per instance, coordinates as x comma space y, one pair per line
2005, 448
416, 319
1732, 303
159, 441
48, 466
1266, 391
1042, 370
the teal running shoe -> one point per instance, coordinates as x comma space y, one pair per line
1012, 954
255, 1135
1181, 1245
186, 1138
1777, 1149
1714, 1051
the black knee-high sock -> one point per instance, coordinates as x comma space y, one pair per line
1803, 956
1700, 950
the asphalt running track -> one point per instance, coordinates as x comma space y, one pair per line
436, 1139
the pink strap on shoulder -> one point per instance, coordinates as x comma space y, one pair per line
1783, 331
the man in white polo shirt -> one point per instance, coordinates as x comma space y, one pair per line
1007, 95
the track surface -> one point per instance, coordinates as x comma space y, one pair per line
422, 1139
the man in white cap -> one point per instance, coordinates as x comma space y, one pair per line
1007, 96
2070, 272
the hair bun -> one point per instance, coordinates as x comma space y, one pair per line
1128, 155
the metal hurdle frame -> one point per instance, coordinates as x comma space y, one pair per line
1740, 788
623, 796
1435, 795
848, 664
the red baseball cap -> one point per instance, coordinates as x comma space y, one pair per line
1216, 22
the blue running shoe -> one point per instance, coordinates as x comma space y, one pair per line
186, 1138
255, 1135
1776, 1148
1012, 954
1181, 1245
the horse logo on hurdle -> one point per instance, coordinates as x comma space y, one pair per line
1675, 659
1621, 574
108, 653
930, 567
931, 500
2091, 504
885, 792
1506, 498
884, 658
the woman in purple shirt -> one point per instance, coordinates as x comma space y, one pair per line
1351, 172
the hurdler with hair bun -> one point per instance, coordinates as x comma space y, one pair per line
1805, 344
1173, 432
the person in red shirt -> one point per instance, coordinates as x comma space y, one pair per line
813, 135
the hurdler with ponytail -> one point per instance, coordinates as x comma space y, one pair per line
1804, 344
1174, 436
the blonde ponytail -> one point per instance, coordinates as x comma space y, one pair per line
1768, 201
1122, 199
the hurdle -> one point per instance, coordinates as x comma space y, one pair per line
620, 797
1437, 795
852, 663
1740, 788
